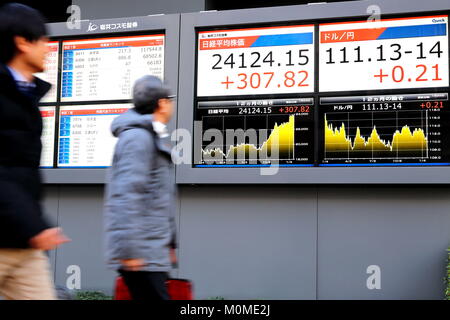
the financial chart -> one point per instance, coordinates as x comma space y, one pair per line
255, 132
252, 93
387, 129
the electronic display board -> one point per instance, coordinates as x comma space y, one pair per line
377, 81
397, 129
271, 60
325, 88
85, 138
243, 79
51, 71
397, 53
245, 82
92, 69
48, 136
106, 68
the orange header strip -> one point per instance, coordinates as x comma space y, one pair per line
263, 28
394, 19
113, 38
93, 112
96, 45
47, 113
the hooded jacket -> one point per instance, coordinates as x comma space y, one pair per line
20, 152
139, 211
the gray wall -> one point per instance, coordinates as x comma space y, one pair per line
281, 242
105, 9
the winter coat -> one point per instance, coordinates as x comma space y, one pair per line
139, 211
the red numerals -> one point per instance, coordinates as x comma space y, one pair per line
295, 109
432, 105
398, 74
264, 80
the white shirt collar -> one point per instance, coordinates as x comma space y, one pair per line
160, 128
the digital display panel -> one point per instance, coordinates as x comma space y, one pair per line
106, 68
47, 136
51, 71
406, 129
254, 61
401, 53
85, 138
255, 132
249, 110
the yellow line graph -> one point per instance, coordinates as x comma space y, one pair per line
337, 139
281, 137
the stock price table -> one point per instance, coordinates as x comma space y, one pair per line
47, 136
85, 138
105, 69
50, 73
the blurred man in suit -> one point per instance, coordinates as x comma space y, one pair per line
24, 233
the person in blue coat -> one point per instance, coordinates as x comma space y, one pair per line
139, 211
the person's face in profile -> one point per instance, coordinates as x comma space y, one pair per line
165, 109
33, 52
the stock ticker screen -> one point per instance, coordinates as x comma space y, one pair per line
106, 68
91, 79
342, 92
257, 83
406, 122
85, 138
402, 129
97, 76
347, 93
48, 115
51, 71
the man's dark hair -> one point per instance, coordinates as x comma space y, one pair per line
146, 93
18, 20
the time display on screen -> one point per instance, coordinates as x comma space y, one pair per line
255, 61
105, 69
386, 54
85, 138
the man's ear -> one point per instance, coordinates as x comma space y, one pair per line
158, 105
22, 44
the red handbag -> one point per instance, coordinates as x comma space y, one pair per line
121, 290
178, 289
